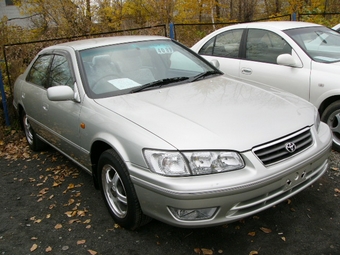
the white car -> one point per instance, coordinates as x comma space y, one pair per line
337, 27
299, 57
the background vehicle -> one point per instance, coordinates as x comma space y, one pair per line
337, 27
165, 135
302, 58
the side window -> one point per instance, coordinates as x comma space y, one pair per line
226, 44
265, 46
60, 73
208, 47
38, 73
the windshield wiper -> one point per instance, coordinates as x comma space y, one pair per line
205, 74
159, 83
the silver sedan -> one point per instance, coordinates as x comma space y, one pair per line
165, 135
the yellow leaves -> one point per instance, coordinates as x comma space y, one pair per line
73, 221
38, 221
58, 226
92, 252
70, 186
15, 149
335, 168
203, 251
34, 247
253, 233
48, 249
253, 253
266, 230
71, 213
81, 242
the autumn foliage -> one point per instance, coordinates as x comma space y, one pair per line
52, 22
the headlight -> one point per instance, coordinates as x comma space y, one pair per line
316, 119
192, 163
166, 163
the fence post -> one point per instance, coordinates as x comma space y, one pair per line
172, 30
4, 101
293, 16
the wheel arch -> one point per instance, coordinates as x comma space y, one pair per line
327, 102
19, 110
97, 148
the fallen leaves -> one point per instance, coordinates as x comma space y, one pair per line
92, 252
253, 233
266, 230
58, 226
337, 192
34, 247
79, 242
203, 251
16, 148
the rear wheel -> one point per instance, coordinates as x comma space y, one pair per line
33, 141
331, 116
118, 191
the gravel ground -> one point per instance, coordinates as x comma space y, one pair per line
49, 206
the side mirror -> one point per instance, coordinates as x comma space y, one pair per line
215, 63
60, 93
286, 60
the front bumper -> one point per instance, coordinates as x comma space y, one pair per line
237, 194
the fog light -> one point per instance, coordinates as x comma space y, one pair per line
193, 214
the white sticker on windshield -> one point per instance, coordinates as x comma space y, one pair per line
124, 83
164, 49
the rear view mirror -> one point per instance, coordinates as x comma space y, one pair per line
215, 63
286, 60
60, 93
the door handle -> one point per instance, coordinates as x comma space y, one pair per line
246, 71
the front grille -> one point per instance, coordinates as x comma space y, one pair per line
276, 151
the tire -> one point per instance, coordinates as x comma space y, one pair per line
33, 141
331, 116
118, 191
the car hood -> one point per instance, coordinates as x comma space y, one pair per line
217, 113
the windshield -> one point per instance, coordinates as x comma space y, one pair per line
320, 43
136, 66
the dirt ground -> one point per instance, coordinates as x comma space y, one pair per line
49, 206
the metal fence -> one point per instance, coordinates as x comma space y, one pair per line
189, 34
18, 55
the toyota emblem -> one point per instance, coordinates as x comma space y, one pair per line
290, 147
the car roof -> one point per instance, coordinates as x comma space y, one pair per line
103, 41
278, 25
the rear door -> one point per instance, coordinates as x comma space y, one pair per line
33, 93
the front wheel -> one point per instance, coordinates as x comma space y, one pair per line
331, 116
118, 191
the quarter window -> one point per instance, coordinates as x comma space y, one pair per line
265, 46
